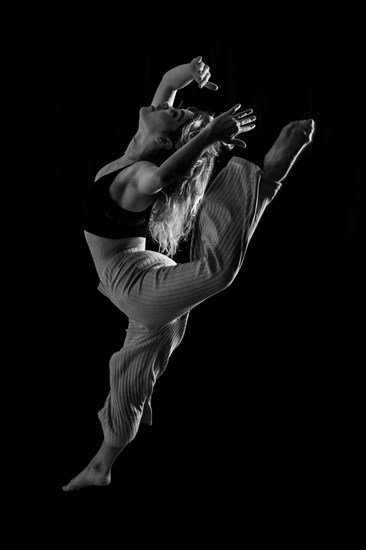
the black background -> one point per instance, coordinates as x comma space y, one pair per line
260, 415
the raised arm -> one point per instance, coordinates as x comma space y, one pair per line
151, 179
179, 77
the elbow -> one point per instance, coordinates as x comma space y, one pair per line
152, 185
156, 185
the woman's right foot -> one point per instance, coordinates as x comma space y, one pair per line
287, 147
93, 474
98, 471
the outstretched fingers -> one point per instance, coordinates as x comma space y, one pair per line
239, 122
232, 110
239, 117
243, 125
246, 125
243, 114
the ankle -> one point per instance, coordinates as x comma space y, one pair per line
271, 173
105, 457
100, 466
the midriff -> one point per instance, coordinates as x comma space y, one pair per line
102, 249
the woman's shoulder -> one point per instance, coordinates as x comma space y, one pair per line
131, 168
107, 169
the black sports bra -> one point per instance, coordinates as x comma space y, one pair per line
104, 218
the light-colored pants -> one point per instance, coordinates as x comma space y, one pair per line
157, 294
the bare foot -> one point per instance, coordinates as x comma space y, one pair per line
287, 147
92, 475
98, 471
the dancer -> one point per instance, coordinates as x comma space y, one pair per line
162, 184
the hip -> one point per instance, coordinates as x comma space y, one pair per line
102, 250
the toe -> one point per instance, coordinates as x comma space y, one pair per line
286, 130
71, 487
310, 126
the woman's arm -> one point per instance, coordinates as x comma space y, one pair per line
151, 179
179, 77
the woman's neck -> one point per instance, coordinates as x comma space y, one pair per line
139, 148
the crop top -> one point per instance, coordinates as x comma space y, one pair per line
104, 218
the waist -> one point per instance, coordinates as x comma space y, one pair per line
103, 249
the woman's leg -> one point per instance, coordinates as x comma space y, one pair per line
133, 373
153, 290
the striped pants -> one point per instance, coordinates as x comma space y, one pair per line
157, 294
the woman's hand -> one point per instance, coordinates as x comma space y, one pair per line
179, 77
228, 125
201, 74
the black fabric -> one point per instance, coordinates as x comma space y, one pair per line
104, 218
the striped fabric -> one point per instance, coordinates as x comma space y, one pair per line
157, 294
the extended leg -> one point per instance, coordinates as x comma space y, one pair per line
153, 290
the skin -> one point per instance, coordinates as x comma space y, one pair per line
286, 149
155, 124
135, 188
164, 119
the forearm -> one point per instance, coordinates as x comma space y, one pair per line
172, 81
164, 94
180, 162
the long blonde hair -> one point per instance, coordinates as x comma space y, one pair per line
174, 211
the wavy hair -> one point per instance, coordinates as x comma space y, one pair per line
175, 209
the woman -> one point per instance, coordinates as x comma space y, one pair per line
159, 185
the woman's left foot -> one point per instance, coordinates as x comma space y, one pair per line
287, 147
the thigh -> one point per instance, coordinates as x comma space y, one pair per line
154, 290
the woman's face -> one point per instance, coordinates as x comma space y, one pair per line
163, 119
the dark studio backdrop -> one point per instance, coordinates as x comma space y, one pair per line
264, 393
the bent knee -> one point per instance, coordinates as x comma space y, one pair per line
225, 278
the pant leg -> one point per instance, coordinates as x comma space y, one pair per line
153, 290
267, 190
133, 372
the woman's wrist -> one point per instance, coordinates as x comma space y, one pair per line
178, 77
208, 135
